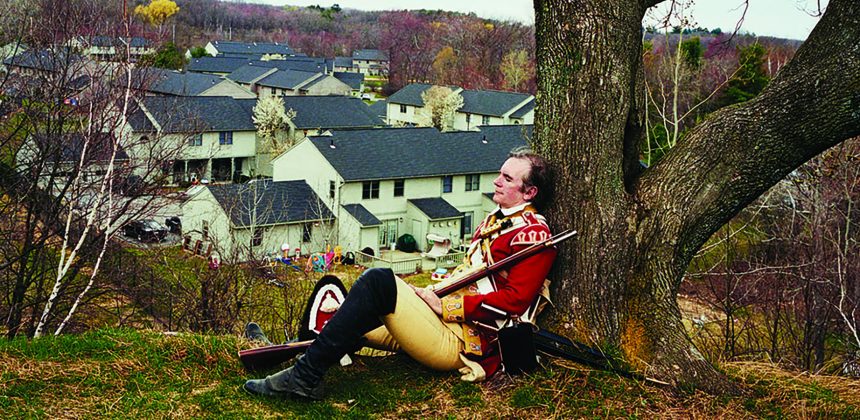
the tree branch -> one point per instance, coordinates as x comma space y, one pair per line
740, 152
650, 3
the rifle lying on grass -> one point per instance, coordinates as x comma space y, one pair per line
270, 356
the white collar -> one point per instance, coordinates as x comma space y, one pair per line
512, 210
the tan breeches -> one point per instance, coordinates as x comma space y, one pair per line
417, 330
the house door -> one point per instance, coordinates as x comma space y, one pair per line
418, 233
388, 233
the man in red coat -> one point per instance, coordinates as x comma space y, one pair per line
453, 333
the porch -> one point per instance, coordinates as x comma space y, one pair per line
408, 262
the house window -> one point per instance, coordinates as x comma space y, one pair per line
307, 228
195, 140
466, 225
398, 187
257, 238
205, 230
225, 137
331, 189
473, 182
402, 109
369, 190
468, 119
485, 120
447, 183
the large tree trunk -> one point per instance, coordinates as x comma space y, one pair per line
616, 286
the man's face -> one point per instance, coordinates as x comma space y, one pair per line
509, 184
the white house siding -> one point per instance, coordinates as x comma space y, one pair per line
528, 118
329, 86
304, 162
233, 243
275, 236
203, 207
369, 238
395, 116
244, 145
475, 121
229, 88
355, 237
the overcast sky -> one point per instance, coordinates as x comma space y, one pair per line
780, 18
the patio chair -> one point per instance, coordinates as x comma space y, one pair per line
441, 246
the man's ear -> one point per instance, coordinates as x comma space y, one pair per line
530, 193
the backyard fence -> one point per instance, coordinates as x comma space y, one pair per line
408, 265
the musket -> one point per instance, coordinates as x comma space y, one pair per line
484, 271
269, 356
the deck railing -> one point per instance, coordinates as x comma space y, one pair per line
410, 265
449, 260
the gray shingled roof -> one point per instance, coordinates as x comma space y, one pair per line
409, 94
310, 64
343, 61
354, 80
99, 147
325, 112
190, 114
47, 60
169, 82
286, 79
379, 108
490, 102
436, 208
109, 41
217, 64
271, 202
524, 109
318, 79
368, 54
391, 153
231, 47
248, 73
365, 217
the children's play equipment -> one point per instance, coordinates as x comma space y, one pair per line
440, 274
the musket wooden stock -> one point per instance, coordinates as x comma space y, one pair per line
269, 356
474, 276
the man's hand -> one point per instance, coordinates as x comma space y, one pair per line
429, 298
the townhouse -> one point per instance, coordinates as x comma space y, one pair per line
383, 183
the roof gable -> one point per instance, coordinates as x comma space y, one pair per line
491, 102
369, 54
248, 73
218, 64
287, 79
392, 153
409, 94
268, 203
194, 114
353, 80
362, 215
232, 47
169, 82
436, 208
325, 112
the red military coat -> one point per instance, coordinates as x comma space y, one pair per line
512, 292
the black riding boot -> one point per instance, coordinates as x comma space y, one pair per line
373, 296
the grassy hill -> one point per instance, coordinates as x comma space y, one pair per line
143, 374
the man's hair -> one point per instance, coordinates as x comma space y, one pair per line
541, 175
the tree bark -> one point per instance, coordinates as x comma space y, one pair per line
616, 287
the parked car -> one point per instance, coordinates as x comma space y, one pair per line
147, 230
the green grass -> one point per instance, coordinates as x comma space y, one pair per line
124, 373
